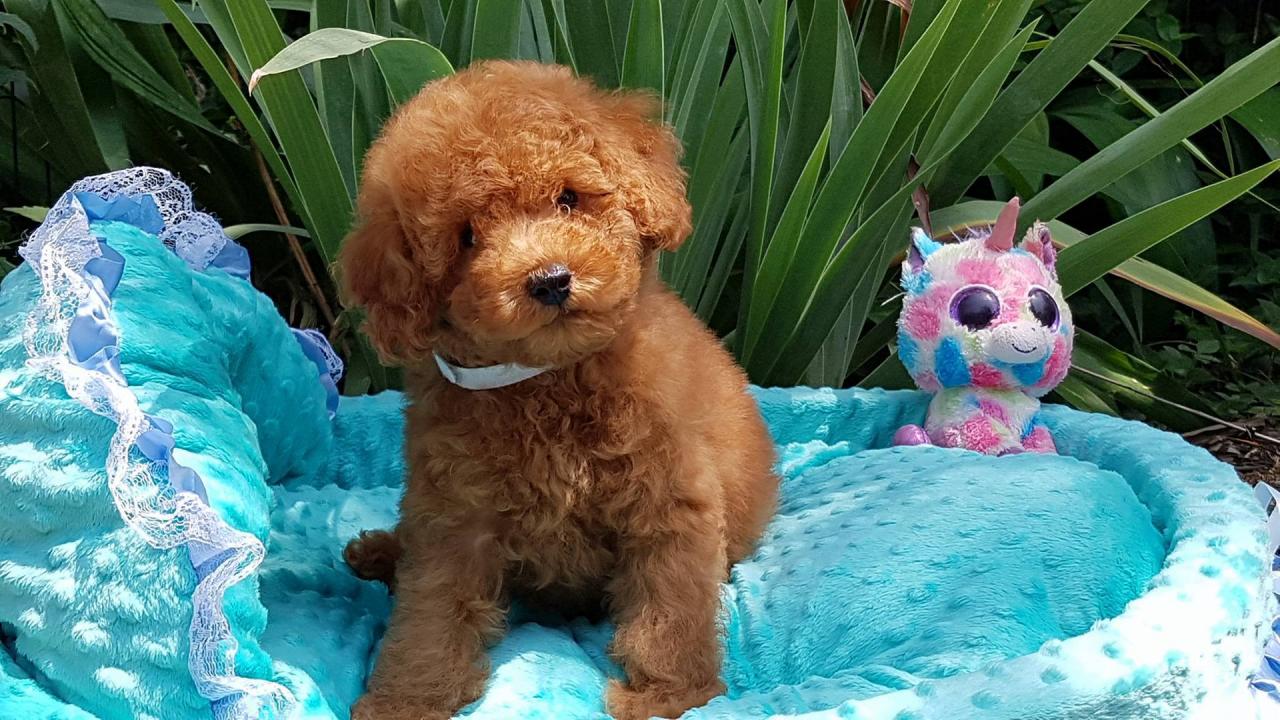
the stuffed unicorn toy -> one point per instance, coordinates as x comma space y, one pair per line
985, 328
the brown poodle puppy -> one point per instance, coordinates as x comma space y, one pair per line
512, 213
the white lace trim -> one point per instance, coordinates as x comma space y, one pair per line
58, 252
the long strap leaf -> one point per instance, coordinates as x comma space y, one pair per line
1078, 43
297, 124
1091, 258
1239, 84
222, 80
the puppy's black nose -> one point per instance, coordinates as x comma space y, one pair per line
551, 285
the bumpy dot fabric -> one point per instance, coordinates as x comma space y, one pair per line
90, 615
1125, 578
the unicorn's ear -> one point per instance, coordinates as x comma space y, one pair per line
922, 246
1038, 242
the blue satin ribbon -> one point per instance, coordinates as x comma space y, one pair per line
232, 259
310, 344
92, 337
139, 211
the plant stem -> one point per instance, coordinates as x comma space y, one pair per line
295, 245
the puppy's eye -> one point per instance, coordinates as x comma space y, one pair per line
467, 238
568, 199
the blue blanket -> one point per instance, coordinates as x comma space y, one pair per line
1127, 577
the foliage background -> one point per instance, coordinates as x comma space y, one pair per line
1235, 253
100, 84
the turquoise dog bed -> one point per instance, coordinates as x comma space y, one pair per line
177, 481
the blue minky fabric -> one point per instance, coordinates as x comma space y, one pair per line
89, 612
1125, 578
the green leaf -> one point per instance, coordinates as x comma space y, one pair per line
407, 67
1118, 307
712, 182
1261, 117
372, 104
1081, 395
679, 19
145, 11
1147, 108
717, 206
964, 29
695, 82
855, 272
235, 232
1168, 175
335, 93
619, 14
537, 40
153, 43
1113, 372
878, 337
674, 13
334, 42
61, 104
297, 125
846, 95
726, 260
1093, 257
762, 45
226, 85
559, 26
496, 33
781, 250
1033, 157
459, 25
1002, 23
815, 80
1238, 84
889, 374
219, 16
591, 37
30, 212
838, 198
103, 41
1078, 43
965, 103
643, 62
21, 27
1181, 290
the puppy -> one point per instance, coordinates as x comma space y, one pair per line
575, 436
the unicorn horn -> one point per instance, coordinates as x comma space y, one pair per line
1001, 237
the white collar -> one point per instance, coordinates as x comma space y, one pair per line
486, 378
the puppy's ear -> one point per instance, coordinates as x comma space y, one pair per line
376, 270
649, 170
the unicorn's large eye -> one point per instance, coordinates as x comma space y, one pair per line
975, 307
1043, 307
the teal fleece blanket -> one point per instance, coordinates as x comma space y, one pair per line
1125, 578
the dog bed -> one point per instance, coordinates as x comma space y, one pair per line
177, 481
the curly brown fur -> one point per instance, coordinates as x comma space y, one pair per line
634, 472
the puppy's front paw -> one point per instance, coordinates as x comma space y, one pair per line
628, 703
373, 555
391, 707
